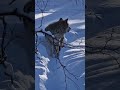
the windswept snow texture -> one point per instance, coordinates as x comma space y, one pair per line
49, 74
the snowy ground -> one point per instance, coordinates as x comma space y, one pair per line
49, 74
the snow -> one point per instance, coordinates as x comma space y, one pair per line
48, 72
37, 16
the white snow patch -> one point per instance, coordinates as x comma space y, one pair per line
40, 15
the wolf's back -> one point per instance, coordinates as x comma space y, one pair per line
51, 28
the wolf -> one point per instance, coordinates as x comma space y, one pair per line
58, 30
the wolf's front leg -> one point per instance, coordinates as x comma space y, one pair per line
56, 51
62, 42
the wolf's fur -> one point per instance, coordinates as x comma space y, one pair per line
60, 26
58, 29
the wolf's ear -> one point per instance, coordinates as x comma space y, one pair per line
66, 19
60, 19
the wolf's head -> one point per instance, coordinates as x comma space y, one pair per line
60, 26
64, 24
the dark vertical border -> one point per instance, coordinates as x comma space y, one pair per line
17, 45
102, 45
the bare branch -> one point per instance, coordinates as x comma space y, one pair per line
18, 14
12, 2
